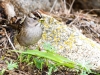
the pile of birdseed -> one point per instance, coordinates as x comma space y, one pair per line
70, 42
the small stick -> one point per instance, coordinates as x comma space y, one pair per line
10, 41
74, 21
71, 7
65, 9
53, 6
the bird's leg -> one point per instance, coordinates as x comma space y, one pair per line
38, 48
27, 48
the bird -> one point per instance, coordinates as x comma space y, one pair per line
30, 32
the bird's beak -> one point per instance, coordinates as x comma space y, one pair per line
41, 20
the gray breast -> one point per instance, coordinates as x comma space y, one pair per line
32, 36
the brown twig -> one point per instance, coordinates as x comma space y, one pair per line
9, 40
74, 20
71, 7
53, 6
65, 9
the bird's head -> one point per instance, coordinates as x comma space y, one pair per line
31, 20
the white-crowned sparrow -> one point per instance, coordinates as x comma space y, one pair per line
30, 32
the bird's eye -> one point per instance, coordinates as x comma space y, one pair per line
35, 18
